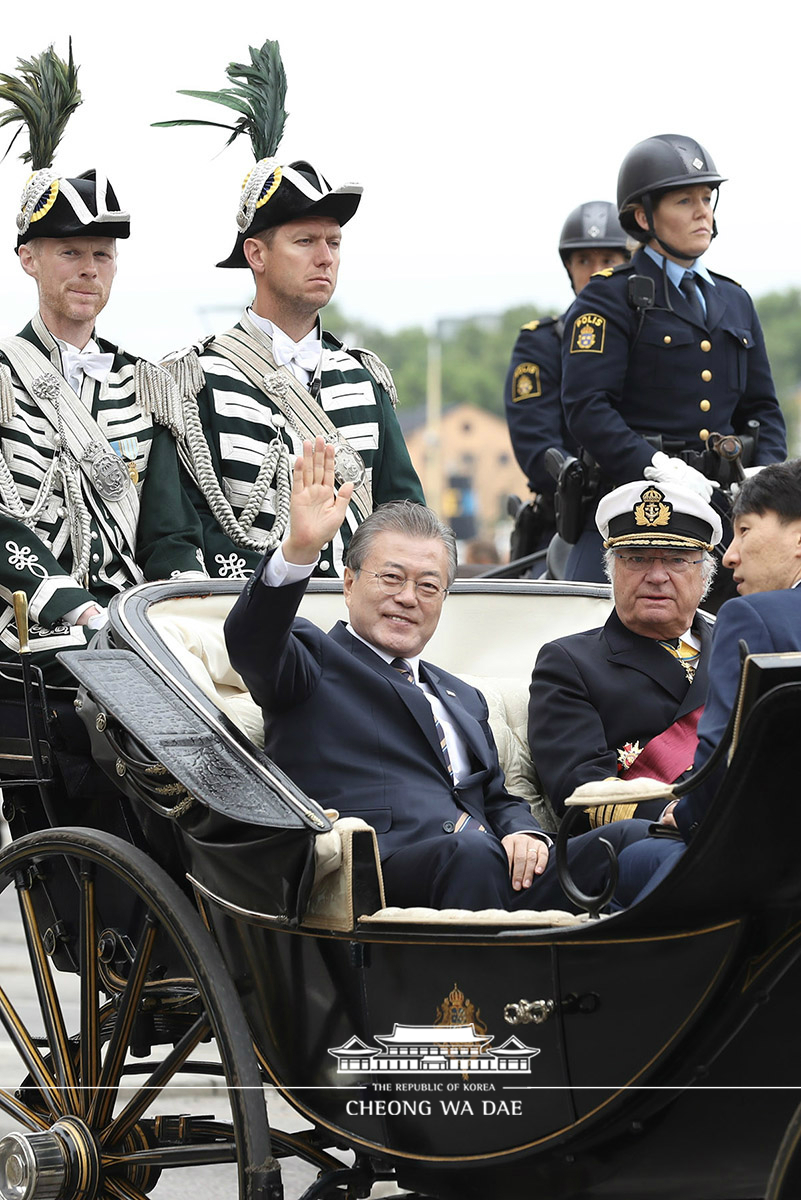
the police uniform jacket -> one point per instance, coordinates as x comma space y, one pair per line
769, 623
533, 400
595, 693
36, 557
673, 376
238, 423
355, 735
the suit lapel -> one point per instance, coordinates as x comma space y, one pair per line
411, 696
468, 726
696, 692
645, 656
715, 305
649, 658
678, 301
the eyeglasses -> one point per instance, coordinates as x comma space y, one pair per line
392, 584
640, 563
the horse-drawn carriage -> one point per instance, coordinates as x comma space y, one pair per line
229, 928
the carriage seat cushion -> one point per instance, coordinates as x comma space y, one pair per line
548, 918
199, 644
348, 890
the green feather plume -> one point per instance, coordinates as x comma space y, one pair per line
258, 95
43, 97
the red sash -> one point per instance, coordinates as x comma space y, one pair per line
671, 753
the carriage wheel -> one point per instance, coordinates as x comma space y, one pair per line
123, 972
785, 1178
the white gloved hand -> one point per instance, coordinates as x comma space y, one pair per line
673, 470
748, 472
98, 620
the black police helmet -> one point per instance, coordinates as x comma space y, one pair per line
592, 226
657, 165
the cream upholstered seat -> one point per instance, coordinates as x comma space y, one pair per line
489, 640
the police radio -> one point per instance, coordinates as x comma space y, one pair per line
640, 297
641, 292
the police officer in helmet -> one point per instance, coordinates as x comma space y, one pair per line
661, 353
591, 239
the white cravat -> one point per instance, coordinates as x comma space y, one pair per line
300, 357
89, 361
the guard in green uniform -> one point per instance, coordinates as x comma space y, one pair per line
90, 494
253, 394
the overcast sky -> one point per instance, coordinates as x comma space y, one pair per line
474, 129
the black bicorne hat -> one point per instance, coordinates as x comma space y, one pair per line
273, 194
59, 207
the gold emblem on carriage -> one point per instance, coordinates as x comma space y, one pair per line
653, 509
456, 1010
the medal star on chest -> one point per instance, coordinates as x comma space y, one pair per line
627, 755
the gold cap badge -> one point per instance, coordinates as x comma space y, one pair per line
653, 510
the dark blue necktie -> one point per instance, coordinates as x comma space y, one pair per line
689, 289
403, 668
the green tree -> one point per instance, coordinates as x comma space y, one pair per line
780, 315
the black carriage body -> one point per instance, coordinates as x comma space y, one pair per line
666, 1063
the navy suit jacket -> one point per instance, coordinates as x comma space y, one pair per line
769, 622
356, 736
593, 692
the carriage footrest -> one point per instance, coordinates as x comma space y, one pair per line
177, 737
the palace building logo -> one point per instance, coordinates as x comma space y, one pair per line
456, 1042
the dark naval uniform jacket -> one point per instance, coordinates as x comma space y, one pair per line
532, 397
668, 375
596, 693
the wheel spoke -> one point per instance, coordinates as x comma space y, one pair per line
163, 1073
90, 991
55, 1029
108, 1084
166, 1157
158, 986
121, 1189
31, 1058
20, 1112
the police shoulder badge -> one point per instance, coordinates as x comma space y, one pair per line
531, 325
589, 333
526, 382
653, 509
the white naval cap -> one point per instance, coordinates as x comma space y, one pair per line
642, 513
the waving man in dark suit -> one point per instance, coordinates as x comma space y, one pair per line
364, 725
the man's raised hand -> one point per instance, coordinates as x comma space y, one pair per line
317, 510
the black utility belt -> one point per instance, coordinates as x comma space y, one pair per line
709, 462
